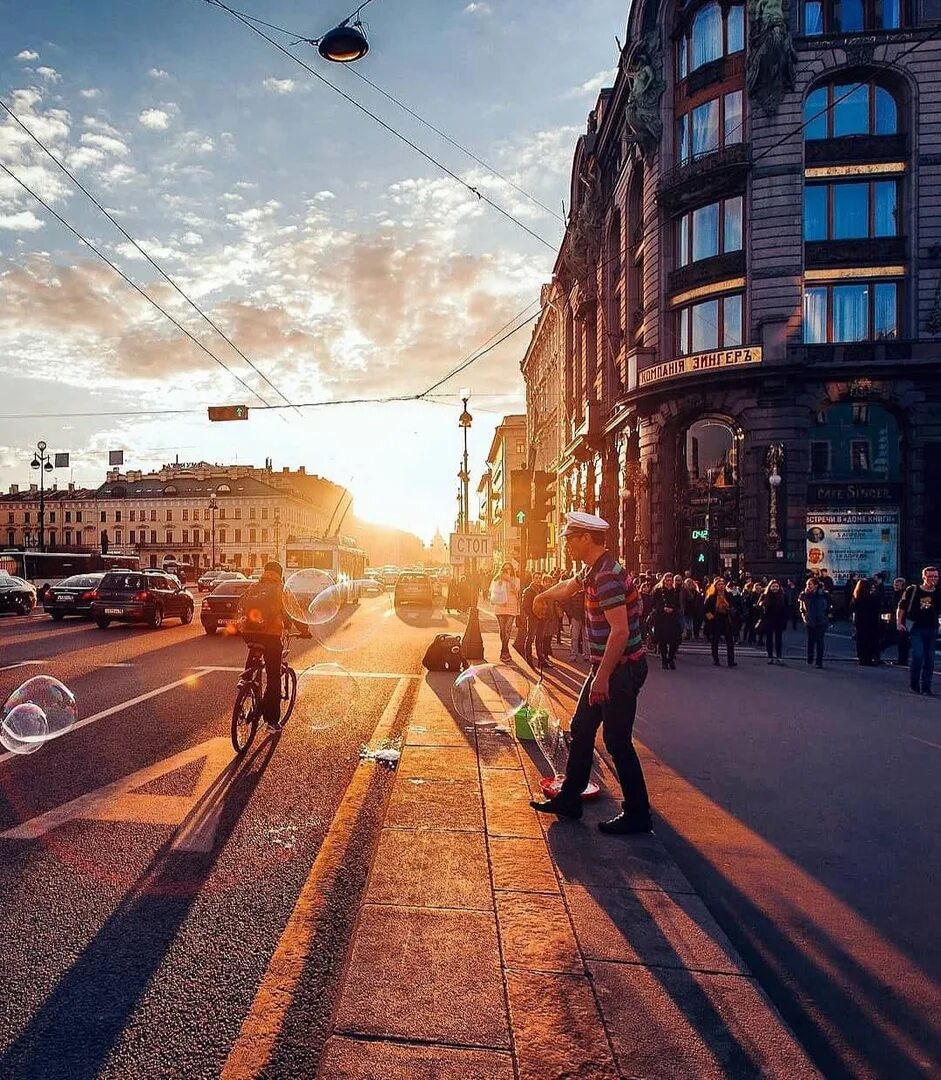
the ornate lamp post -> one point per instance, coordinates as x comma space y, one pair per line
774, 460
473, 643
213, 506
43, 462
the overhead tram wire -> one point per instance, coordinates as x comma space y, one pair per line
382, 123
299, 38
74, 179
133, 284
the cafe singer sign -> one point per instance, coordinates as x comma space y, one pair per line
692, 365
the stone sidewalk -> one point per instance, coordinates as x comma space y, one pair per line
494, 944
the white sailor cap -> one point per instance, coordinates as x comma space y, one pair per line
575, 520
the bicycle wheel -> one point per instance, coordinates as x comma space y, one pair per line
288, 693
245, 718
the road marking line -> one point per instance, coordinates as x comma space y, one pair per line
327, 674
119, 801
262, 1025
924, 742
121, 707
23, 663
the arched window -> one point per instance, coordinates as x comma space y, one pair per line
852, 16
839, 109
713, 32
711, 453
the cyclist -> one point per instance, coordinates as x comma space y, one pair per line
262, 622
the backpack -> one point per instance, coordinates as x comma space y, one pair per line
259, 610
444, 654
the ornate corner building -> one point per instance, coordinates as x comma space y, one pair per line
737, 361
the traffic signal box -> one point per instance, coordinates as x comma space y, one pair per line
543, 495
700, 550
228, 412
520, 483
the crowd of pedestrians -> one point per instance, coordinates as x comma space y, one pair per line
895, 623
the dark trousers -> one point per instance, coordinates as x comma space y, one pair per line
718, 631
615, 717
271, 699
904, 645
506, 625
670, 644
535, 633
815, 636
774, 641
522, 626
924, 644
868, 643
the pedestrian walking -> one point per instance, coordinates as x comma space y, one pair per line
668, 626
719, 613
608, 697
505, 601
921, 605
867, 620
773, 614
574, 607
815, 608
894, 638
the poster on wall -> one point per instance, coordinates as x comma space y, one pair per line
865, 543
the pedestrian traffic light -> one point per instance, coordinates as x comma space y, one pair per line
228, 412
543, 499
520, 483
701, 559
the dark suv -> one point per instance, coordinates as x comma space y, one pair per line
148, 596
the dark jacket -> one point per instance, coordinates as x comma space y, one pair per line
775, 609
866, 612
261, 608
667, 625
714, 620
526, 600
815, 608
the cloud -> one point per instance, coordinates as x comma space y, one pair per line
593, 86
478, 7
49, 74
158, 73
280, 86
90, 92
27, 54
24, 221
154, 119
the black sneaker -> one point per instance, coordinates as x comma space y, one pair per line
558, 807
624, 825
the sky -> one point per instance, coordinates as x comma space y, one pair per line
339, 260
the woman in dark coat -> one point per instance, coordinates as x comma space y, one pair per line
773, 611
719, 613
668, 620
867, 618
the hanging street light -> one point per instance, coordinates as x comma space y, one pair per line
344, 44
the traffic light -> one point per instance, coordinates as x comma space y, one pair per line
543, 499
228, 412
700, 550
520, 483
537, 537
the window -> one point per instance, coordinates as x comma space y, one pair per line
169, 536
251, 513
186, 532
132, 536
206, 514
710, 126
26, 517
264, 513
78, 517
195, 536
10, 518
840, 109
117, 515
252, 535
153, 536
104, 516
238, 536
859, 456
238, 513
118, 535
520, 449
850, 16
169, 515
186, 517
711, 230
222, 513
153, 515
851, 211
133, 515
52, 517
710, 324
264, 536
222, 536
68, 516
862, 311
712, 33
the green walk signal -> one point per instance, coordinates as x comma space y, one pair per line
521, 517
228, 412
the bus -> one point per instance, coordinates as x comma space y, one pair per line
44, 568
338, 556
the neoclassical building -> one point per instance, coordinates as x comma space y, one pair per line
746, 306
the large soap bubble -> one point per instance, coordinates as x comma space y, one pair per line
489, 694
24, 729
349, 613
331, 696
54, 700
543, 721
302, 593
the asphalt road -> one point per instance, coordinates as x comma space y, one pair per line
138, 923
803, 806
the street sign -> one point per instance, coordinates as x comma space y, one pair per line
471, 545
228, 412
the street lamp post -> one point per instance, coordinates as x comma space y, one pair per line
213, 506
473, 644
42, 462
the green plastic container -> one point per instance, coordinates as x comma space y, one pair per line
522, 717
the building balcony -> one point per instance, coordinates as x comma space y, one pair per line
704, 179
885, 353
878, 251
705, 271
852, 149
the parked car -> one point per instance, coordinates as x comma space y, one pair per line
220, 608
372, 587
205, 583
146, 596
414, 589
72, 596
16, 595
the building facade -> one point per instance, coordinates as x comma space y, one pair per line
202, 514
508, 455
749, 290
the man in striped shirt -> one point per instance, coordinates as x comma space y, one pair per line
618, 669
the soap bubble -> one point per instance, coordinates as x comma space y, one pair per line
546, 728
346, 615
52, 698
331, 696
301, 592
489, 694
24, 729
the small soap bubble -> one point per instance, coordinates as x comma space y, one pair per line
332, 696
547, 728
489, 695
24, 729
54, 700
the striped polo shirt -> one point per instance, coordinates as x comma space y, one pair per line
608, 585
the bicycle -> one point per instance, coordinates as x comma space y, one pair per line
248, 700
